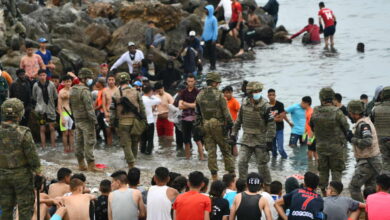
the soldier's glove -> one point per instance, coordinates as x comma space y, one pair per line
349, 136
269, 146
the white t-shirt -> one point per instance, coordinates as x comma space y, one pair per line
149, 102
227, 7
138, 57
271, 204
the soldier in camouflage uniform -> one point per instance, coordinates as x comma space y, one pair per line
259, 130
213, 116
18, 162
126, 117
381, 119
366, 149
328, 123
85, 120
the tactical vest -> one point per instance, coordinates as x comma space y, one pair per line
133, 96
367, 152
381, 113
210, 104
11, 149
77, 105
326, 128
253, 121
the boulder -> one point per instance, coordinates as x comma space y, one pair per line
223, 54
190, 5
11, 59
200, 11
176, 37
247, 3
86, 52
95, 67
246, 56
35, 29
101, 9
26, 7
281, 37
59, 70
97, 35
164, 16
265, 34
54, 49
3, 47
232, 44
68, 31
133, 30
112, 25
70, 60
264, 17
281, 28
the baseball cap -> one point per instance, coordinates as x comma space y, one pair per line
137, 83
103, 65
254, 181
131, 43
42, 40
192, 34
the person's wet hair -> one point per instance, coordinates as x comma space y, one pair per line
205, 184
196, 178
311, 180
63, 172
79, 176
368, 191
147, 89
20, 71
311, 20
29, 45
133, 176
40, 71
360, 47
191, 76
66, 78
162, 174
217, 188
383, 181
180, 183
276, 187
158, 85
227, 89
241, 185
363, 96
105, 186
172, 177
338, 97
75, 183
271, 90
306, 99
120, 175
337, 186
321, 4
228, 179
252, 8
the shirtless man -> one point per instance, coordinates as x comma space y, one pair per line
66, 121
253, 22
60, 188
107, 102
77, 204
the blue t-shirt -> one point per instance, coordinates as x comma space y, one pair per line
46, 59
230, 197
298, 115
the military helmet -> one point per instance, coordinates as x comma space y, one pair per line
12, 108
356, 107
326, 93
213, 76
254, 86
386, 93
122, 77
85, 73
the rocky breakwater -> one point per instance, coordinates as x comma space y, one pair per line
97, 32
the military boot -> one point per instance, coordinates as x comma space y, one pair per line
214, 177
82, 165
130, 165
92, 167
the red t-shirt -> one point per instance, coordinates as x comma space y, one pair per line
236, 9
191, 206
314, 31
327, 16
375, 206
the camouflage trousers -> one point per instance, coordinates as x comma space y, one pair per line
16, 188
128, 143
262, 159
366, 171
214, 135
331, 158
85, 140
385, 150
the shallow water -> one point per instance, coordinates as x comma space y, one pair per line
293, 71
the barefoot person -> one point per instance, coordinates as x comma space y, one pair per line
326, 16
108, 92
61, 187
66, 121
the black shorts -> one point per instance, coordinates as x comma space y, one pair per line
312, 146
329, 31
44, 120
188, 132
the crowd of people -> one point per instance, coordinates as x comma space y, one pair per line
83, 107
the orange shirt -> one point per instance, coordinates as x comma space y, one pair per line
309, 112
7, 77
234, 107
99, 99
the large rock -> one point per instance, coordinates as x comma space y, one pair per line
68, 31
112, 24
133, 30
35, 29
26, 8
59, 70
11, 59
247, 3
86, 52
190, 5
265, 34
281, 37
232, 44
176, 37
97, 35
223, 54
70, 60
264, 17
164, 16
101, 9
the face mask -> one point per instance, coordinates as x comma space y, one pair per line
257, 96
89, 82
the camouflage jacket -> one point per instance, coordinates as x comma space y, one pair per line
365, 141
381, 119
81, 103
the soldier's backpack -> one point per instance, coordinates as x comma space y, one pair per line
3, 89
